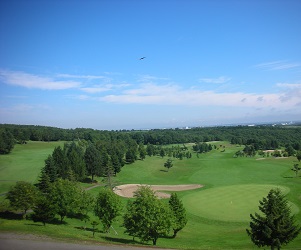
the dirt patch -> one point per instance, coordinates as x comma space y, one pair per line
128, 190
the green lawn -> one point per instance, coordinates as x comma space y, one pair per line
230, 203
218, 213
24, 163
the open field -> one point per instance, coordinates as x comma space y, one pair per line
218, 213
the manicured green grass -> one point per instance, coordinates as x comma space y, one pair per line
229, 203
213, 222
24, 163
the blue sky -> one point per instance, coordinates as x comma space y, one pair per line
76, 63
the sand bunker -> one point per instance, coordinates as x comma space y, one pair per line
128, 190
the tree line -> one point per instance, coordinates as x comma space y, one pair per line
76, 161
261, 137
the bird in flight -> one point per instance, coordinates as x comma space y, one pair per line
142, 58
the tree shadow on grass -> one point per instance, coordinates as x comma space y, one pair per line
89, 229
11, 216
124, 241
167, 237
57, 221
163, 170
32, 224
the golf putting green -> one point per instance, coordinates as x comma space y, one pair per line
230, 203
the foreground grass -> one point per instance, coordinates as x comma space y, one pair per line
218, 171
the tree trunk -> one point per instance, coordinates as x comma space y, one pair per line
24, 214
175, 233
154, 241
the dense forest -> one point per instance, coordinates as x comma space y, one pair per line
262, 137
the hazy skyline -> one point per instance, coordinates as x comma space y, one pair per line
77, 63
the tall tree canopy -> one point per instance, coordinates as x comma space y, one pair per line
93, 161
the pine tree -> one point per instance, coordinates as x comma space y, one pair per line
276, 227
44, 182
50, 169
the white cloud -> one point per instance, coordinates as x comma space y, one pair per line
290, 85
97, 88
149, 78
219, 80
291, 91
277, 65
88, 77
103, 88
26, 80
173, 95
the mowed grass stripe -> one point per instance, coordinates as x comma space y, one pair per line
230, 203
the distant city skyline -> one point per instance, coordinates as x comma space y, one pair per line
149, 64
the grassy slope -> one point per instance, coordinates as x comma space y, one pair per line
215, 170
24, 163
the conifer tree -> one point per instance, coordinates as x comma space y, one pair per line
276, 227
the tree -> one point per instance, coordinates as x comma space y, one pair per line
147, 218
130, 156
162, 152
298, 155
116, 163
86, 205
179, 214
22, 196
109, 171
296, 169
6, 142
43, 209
76, 161
65, 196
60, 162
168, 164
107, 207
94, 225
93, 161
290, 150
50, 169
276, 227
150, 149
142, 151
44, 182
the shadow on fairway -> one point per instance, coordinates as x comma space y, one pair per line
89, 229
124, 241
36, 225
11, 216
